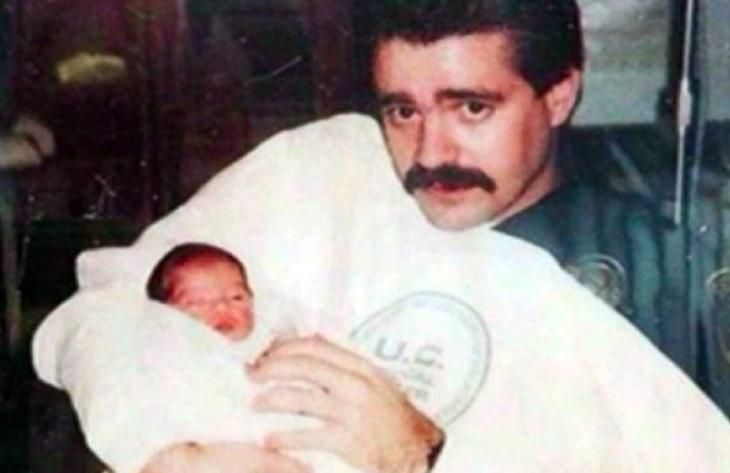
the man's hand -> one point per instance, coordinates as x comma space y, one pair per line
222, 458
367, 420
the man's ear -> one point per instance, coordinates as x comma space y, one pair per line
562, 98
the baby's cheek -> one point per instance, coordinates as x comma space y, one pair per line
205, 317
211, 319
247, 314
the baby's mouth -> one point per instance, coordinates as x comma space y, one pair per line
225, 326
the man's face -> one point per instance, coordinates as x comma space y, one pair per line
468, 135
216, 294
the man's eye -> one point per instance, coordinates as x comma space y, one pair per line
405, 112
474, 110
399, 113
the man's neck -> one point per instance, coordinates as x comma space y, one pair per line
542, 184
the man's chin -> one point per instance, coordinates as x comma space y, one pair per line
455, 219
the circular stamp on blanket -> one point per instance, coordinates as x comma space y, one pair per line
436, 347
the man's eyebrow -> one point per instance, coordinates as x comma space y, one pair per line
391, 98
470, 94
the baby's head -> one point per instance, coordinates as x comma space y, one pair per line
207, 283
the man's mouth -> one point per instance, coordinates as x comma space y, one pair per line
440, 186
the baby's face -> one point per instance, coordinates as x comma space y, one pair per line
215, 293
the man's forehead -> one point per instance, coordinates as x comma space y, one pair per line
502, 39
452, 67
496, 45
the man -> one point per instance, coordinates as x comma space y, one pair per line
546, 380
472, 98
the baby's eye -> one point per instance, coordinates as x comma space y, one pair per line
241, 298
193, 303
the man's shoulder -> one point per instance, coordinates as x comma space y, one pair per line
338, 150
586, 201
602, 198
578, 219
325, 141
575, 205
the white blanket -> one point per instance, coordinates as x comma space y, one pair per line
525, 370
194, 378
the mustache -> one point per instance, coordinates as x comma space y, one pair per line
449, 176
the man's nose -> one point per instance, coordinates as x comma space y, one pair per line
435, 145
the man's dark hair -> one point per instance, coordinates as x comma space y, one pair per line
545, 35
160, 283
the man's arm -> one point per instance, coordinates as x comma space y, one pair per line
368, 421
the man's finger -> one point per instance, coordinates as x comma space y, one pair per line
319, 348
302, 368
306, 401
